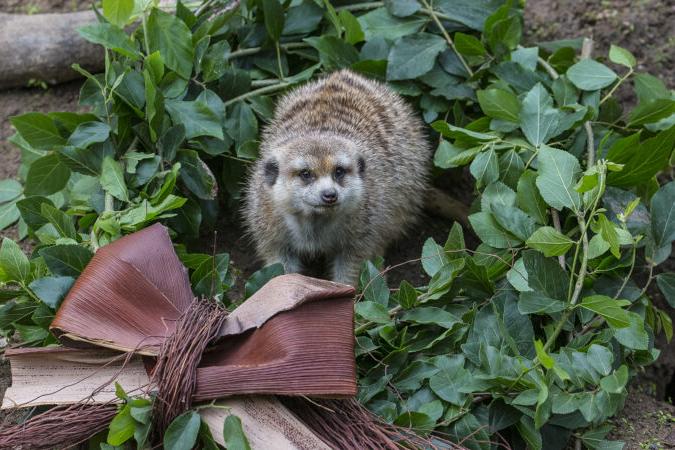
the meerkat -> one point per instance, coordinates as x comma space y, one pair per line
343, 171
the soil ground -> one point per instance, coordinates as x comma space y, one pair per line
642, 26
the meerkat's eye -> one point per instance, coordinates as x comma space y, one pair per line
305, 175
339, 172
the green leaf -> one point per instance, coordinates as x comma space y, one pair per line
196, 175
379, 23
111, 37
86, 161
558, 174
334, 52
543, 357
529, 433
46, 176
303, 18
485, 168
650, 112
197, 118
9, 214
640, 165
274, 18
528, 197
52, 290
433, 257
590, 75
38, 130
261, 277
373, 285
373, 312
183, 431
600, 358
430, 315
468, 45
9, 190
662, 209
172, 38
458, 133
608, 308
549, 241
499, 104
112, 179
448, 156
353, 32
535, 303
14, 265
118, 12
233, 434
649, 88
609, 235
619, 55
31, 210
545, 275
407, 295
489, 231
449, 380
66, 260
402, 8
515, 221
413, 56
633, 336
62, 222
122, 427
666, 283
538, 119
616, 382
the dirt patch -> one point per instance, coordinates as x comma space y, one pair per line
44, 6
645, 423
644, 27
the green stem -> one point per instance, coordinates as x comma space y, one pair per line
145, 34
109, 202
281, 70
264, 90
30, 292
616, 86
630, 272
435, 17
360, 329
577, 288
254, 50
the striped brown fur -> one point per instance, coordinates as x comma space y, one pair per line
340, 122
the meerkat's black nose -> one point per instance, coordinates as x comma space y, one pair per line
329, 196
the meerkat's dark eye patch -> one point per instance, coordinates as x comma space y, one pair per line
361, 165
305, 175
271, 172
339, 173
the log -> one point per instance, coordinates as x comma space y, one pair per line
44, 46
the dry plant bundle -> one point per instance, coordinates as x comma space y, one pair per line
294, 337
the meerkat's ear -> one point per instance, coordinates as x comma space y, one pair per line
361, 165
271, 171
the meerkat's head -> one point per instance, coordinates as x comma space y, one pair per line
315, 175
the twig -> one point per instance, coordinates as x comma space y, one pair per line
261, 91
577, 287
253, 50
556, 224
435, 18
586, 51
